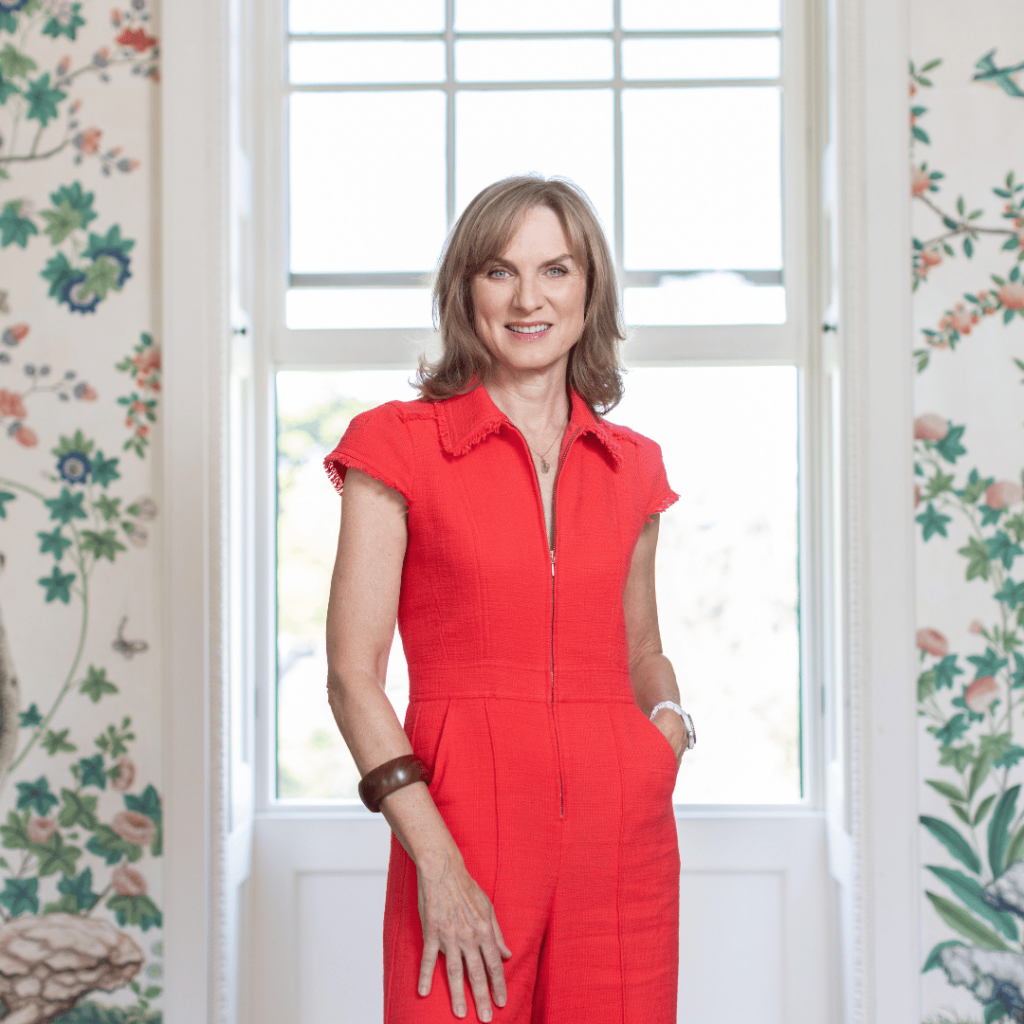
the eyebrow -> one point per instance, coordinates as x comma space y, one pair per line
564, 257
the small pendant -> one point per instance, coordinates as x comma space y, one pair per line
544, 467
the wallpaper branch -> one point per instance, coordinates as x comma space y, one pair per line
80, 812
968, 249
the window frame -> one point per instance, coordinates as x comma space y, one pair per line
792, 343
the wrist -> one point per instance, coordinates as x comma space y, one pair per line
672, 707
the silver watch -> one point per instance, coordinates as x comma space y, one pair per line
691, 735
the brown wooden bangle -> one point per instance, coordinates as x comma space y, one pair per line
378, 782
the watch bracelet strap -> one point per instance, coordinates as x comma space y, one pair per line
390, 776
691, 733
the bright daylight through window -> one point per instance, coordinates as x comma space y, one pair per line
670, 117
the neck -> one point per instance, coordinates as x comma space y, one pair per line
536, 405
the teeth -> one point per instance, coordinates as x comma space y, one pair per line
535, 329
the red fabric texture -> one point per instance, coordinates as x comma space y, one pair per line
556, 787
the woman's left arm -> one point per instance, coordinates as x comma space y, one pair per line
649, 670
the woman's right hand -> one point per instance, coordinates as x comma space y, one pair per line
458, 920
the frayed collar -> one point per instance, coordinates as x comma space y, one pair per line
463, 421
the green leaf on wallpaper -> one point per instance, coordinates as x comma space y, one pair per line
60, 222
995, 1011
78, 199
953, 841
1010, 593
925, 684
30, 718
78, 809
96, 1013
20, 895
1003, 548
108, 508
920, 134
938, 484
982, 766
949, 447
933, 522
36, 795
57, 742
998, 829
7, 90
987, 664
934, 960
15, 229
1015, 848
58, 272
78, 442
946, 671
14, 834
977, 554
968, 247
43, 100
104, 471
55, 855
111, 240
108, 844
1015, 524
960, 758
54, 543
970, 893
92, 771
68, 27
113, 742
5, 496
975, 487
949, 733
966, 924
66, 506
96, 684
983, 808
14, 63
961, 812
8, 22
140, 910
101, 275
101, 545
950, 792
1007, 315
148, 803
58, 585
77, 889
996, 747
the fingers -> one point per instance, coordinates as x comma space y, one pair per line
431, 947
477, 974
453, 960
499, 938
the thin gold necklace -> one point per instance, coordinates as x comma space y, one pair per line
544, 467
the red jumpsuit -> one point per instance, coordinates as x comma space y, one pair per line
555, 786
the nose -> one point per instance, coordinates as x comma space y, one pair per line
527, 295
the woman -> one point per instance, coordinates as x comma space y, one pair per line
512, 532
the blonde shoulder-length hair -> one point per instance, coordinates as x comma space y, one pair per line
482, 233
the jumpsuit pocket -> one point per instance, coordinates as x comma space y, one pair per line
665, 756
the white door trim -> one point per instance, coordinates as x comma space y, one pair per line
871, 38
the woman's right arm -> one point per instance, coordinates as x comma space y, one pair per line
457, 917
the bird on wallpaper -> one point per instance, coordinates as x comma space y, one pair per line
987, 71
9, 700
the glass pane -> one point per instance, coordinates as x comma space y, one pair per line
720, 297
702, 186
404, 16
700, 58
312, 62
325, 308
313, 410
533, 60
727, 570
685, 14
569, 134
367, 186
533, 16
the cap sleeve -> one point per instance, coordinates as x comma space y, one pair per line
377, 442
659, 495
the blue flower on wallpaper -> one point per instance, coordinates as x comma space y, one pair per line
74, 467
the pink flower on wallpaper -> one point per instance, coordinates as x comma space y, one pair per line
40, 829
26, 436
137, 39
125, 776
134, 827
88, 393
930, 427
932, 641
961, 320
920, 181
11, 404
1011, 295
127, 881
931, 257
981, 693
88, 141
976, 626
14, 334
1003, 493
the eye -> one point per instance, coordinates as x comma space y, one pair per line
498, 273
557, 271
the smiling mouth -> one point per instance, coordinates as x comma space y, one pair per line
528, 328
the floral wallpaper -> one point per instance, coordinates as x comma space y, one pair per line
81, 831
967, 152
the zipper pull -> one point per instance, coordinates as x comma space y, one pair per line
552, 564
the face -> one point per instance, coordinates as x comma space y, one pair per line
528, 303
